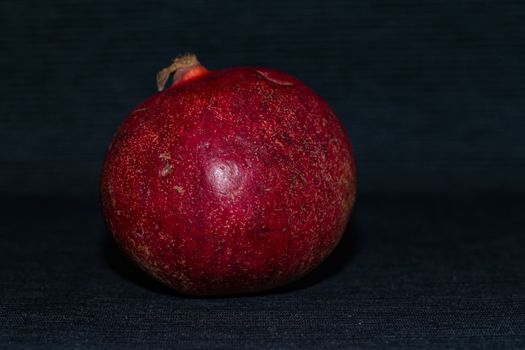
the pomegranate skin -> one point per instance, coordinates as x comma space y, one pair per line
237, 181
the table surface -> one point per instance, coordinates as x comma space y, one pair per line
419, 272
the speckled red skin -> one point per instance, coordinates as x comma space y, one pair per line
239, 181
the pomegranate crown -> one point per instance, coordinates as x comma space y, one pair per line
183, 67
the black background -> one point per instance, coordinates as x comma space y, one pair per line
432, 94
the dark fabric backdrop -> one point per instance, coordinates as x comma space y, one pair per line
432, 94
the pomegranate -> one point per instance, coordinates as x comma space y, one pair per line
229, 181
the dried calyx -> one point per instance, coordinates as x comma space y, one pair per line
183, 68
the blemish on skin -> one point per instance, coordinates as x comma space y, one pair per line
144, 250
279, 143
168, 168
165, 156
274, 80
179, 189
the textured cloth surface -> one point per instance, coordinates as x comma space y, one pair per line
412, 272
432, 94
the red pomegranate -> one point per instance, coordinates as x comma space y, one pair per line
230, 181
